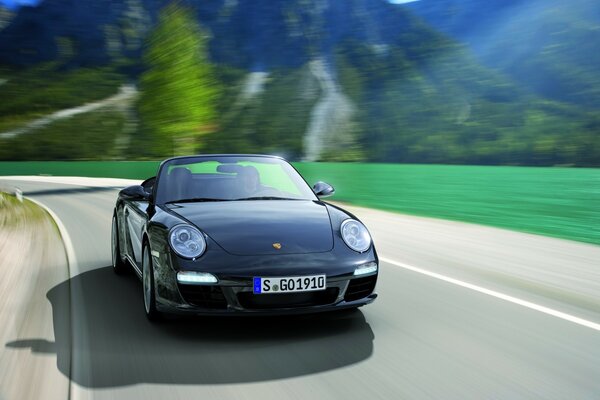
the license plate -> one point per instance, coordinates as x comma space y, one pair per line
289, 284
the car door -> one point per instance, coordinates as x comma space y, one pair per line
136, 217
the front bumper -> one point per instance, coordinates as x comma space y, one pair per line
236, 297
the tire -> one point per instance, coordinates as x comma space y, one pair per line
119, 266
148, 286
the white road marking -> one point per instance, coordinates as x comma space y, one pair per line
72, 267
498, 295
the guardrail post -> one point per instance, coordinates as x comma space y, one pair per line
19, 195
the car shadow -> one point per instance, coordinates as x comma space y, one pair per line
115, 345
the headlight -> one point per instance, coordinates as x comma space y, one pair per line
355, 235
187, 241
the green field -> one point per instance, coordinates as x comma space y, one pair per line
560, 202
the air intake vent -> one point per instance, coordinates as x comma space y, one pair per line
360, 287
203, 296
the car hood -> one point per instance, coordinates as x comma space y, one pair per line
255, 227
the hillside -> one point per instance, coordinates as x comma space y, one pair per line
313, 80
5, 16
552, 47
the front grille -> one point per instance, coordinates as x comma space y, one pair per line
360, 287
203, 296
253, 301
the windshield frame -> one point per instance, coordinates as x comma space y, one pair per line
160, 198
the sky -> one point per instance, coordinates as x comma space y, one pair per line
15, 3
12, 4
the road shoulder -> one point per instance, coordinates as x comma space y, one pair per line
32, 261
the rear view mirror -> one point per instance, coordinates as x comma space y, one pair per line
323, 189
135, 192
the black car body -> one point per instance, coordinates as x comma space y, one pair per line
216, 234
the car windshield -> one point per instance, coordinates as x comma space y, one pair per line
229, 178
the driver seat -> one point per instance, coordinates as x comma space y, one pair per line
180, 181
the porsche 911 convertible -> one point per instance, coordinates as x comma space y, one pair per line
240, 234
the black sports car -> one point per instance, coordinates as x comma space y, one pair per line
240, 234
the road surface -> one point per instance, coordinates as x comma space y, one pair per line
465, 312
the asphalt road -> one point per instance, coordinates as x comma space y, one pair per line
465, 312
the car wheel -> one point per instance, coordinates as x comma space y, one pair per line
119, 266
148, 285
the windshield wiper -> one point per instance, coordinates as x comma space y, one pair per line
266, 198
194, 200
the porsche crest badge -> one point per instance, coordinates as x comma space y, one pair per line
277, 246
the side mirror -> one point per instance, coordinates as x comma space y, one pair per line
135, 192
323, 189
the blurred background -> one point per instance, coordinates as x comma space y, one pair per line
431, 81
466, 82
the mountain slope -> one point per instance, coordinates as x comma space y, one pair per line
5, 16
255, 35
309, 79
549, 46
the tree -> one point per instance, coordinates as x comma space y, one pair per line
178, 90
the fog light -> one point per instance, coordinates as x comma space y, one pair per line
365, 269
196, 278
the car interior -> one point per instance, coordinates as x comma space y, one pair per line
183, 184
